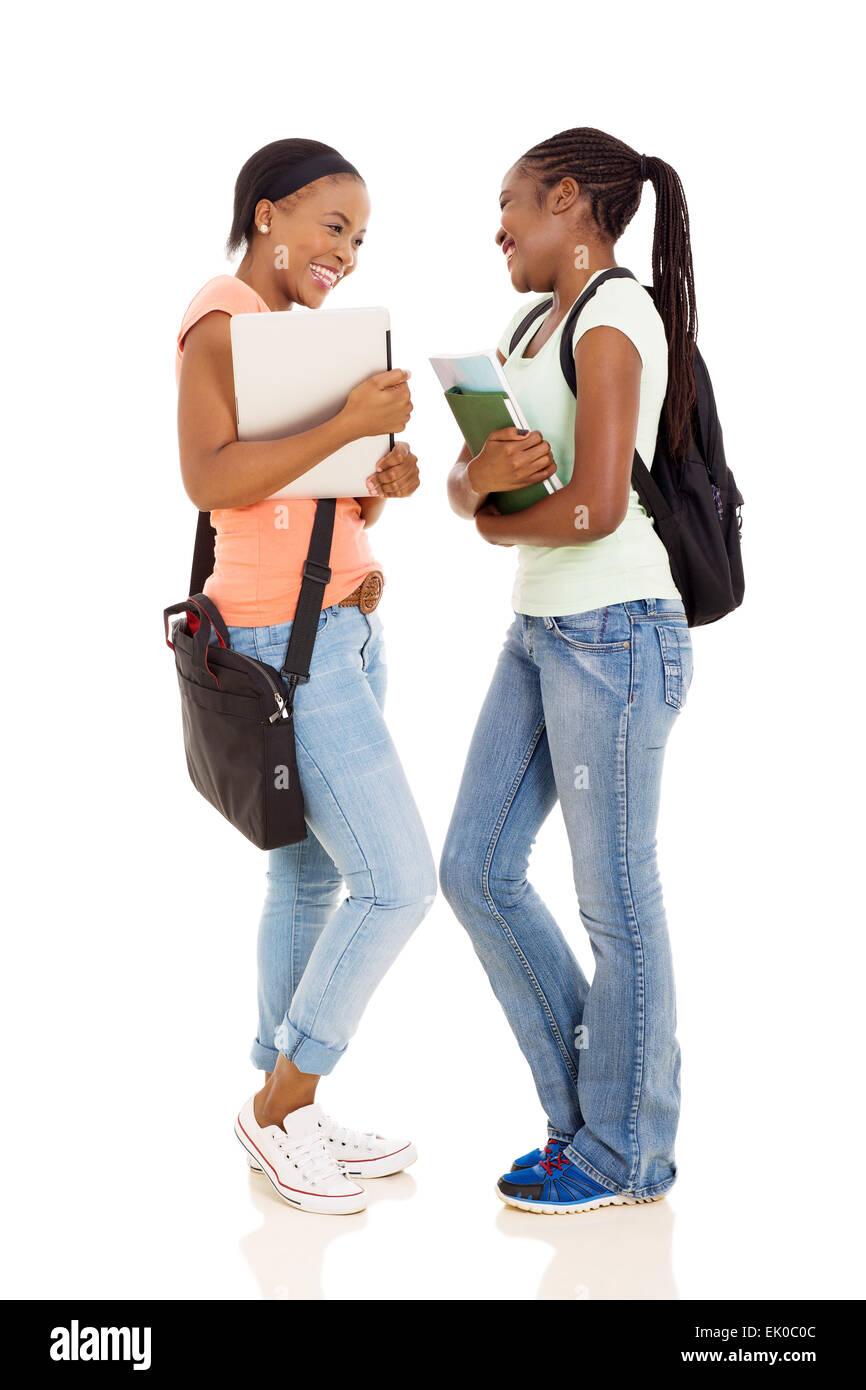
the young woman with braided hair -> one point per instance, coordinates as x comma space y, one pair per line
593, 672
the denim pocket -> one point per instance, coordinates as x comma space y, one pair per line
677, 660
372, 641
590, 632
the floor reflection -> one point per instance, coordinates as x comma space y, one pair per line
616, 1253
286, 1251
613, 1253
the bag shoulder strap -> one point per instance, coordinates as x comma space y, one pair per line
316, 574
617, 272
645, 485
566, 356
648, 490
203, 553
535, 313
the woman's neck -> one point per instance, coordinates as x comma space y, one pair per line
258, 274
570, 281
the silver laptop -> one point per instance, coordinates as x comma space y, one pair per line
294, 369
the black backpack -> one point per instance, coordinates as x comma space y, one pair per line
695, 505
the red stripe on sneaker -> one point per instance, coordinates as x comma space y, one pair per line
303, 1191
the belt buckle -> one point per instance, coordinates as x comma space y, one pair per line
371, 591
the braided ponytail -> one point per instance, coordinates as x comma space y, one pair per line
609, 174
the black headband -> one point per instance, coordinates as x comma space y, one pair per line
299, 175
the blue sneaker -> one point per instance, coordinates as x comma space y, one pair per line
556, 1187
550, 1150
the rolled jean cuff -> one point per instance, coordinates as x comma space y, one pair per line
571, 1155
554, 1133
308, 1054
264, 1058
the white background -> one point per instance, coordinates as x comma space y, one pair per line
132, 908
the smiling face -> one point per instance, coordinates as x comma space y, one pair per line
322, 230
531, 234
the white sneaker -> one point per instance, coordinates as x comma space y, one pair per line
360, 1155
298, 1162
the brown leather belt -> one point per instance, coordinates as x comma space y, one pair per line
367, 594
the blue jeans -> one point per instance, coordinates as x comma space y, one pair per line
320, 953
579, 710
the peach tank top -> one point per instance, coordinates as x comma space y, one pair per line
261, 549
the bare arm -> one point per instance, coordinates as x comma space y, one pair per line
464, 500
218, 469
371, 509
594, 503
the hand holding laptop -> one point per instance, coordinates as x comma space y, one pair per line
396, 474
383, 404
380, 405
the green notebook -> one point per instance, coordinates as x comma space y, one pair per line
479, 413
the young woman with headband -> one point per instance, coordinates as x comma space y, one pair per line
300, 214
593, 673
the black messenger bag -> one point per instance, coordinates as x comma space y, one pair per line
238, 715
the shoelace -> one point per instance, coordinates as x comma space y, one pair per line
312, 1156
557, 1161
343, 1137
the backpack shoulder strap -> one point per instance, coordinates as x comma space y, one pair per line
535, 313
648, 490
643, 482
566, 356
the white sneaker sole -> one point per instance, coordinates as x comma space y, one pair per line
554, 1209
384, 1167
317, 1202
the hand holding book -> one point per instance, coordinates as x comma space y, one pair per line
510, 459
514, 463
